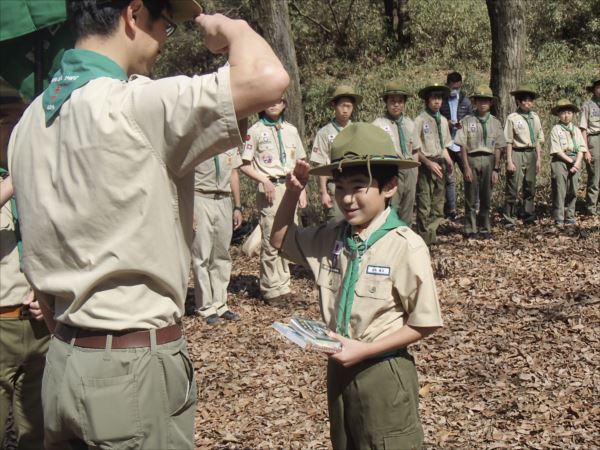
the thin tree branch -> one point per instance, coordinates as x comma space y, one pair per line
310, 19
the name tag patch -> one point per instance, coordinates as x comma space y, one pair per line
378, 270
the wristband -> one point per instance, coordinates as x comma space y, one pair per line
496, 169
238, 208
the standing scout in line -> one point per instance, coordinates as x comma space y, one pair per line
271, 150
216, 180
376, 290
343, 101
524, 138
567, 148
435, 161
406, 140
481, 139
590, 127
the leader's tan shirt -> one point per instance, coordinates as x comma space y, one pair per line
395, 285
262, 149
561, 140
470, 136
413, 141
516, 131
428, 134
321, 149
205, 174
13, 284
106, 194
590, 117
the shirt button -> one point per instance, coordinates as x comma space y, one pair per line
372, 289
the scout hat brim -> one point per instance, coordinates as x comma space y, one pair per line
340, 165
428, 90
533, 94
357, 98
590, 88
569, 107
386, 94
184, 10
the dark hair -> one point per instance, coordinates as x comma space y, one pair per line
453, 77
383, 174
337, 99
521, 96
101, 17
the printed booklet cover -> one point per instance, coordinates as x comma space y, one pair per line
309, 334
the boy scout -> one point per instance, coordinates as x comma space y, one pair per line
108, 224
434, 135
343, 101
590, 127
406, 142
524, 138
376, 291
481, 139
567, 149
216, 180
270, 153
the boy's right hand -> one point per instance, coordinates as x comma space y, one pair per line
216, 29
436, 169
326, 200
468, 174
297, 180
269, 189
510, 166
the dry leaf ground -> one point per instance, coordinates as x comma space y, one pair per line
516, 366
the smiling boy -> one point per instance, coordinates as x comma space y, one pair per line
376, 290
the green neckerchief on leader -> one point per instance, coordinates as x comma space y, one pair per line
77, 68
438, 121
357, 249
571, 129
337, 126
278, 126
529, 118
483, 121
401, 135
15, 218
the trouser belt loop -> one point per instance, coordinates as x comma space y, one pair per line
152, 341
71, 341
108, 347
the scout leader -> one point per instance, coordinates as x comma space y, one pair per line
270, 152
524, 138
216, 181
567, 148
343, 101
108, 224
406, 142
590, 127
434, 135
376, 290
481, 139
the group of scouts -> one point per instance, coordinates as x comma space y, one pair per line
120, 181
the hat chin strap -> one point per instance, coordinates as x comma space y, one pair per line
365, 158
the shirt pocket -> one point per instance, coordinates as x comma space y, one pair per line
374, 287
329, 278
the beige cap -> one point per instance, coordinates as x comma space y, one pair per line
185, 10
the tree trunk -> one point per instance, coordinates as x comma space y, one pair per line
388, 10
404, 38
273, 19
509, 43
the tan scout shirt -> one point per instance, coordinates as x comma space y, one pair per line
470, 136
428, 134
205, 174
395, 287
408, 126
321, 150
13, 284
590, 117
516, 131
262, 148
561, 140
107, 222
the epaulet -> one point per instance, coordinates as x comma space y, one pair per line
412, 238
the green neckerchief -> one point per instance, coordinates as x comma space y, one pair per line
571, 129
438, 121
278, 126
337, 126
15, 218
596, 101
217, 166
483, 121
77, 68
357, 250
529, 118
401, 135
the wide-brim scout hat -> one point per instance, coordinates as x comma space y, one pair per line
185, 10
362, 144
345, 90
525, 89
595, 81
562, 105
483, 91
432, 88
394, 88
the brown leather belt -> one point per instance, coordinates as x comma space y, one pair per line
13, 312
277, 180
120, 339
523, 149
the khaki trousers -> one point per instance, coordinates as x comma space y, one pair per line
430, 202
210, 253
404, 200
482, 166
524, 178
374, 405
23, 346
564, 190
135, 398
274, 270
593, 176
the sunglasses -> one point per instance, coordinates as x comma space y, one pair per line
171, 27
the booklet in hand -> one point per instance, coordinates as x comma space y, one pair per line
309, 334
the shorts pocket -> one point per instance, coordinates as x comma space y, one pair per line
179, 382
110, 409
406, 441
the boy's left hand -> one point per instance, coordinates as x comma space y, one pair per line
298, 179
352, 352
